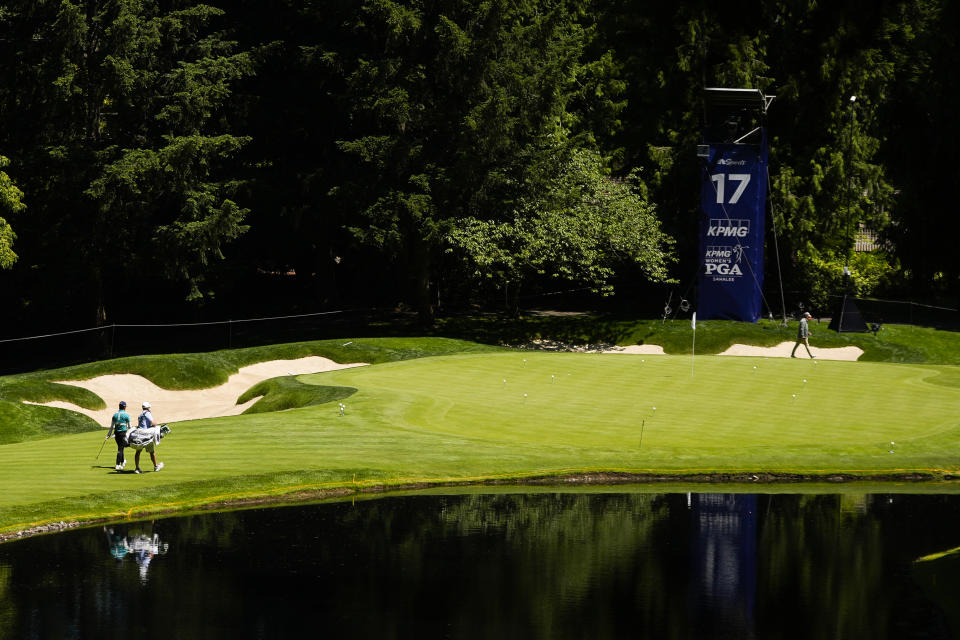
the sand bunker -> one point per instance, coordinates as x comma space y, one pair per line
648, 349
783, 350
174, 406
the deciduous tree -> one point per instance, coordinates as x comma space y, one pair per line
11, 200
573, 225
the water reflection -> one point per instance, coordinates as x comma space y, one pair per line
724, 561
125, 542
510, 566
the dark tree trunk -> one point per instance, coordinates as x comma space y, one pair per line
420, 263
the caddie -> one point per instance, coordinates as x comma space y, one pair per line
145, 421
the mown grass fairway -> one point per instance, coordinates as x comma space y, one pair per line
453, 418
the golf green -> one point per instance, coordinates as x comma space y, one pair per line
695, 408
512, 415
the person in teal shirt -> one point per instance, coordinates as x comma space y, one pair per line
119, 425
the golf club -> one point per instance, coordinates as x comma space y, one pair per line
101, 449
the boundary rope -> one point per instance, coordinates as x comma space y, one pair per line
174, 324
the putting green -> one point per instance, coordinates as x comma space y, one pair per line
602, 401
516, 414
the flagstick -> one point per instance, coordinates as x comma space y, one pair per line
693, 352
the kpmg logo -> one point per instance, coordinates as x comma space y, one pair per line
730, 162
719, 252
733, 228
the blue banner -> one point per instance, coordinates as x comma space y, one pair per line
733, 202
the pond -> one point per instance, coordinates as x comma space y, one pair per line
504, 565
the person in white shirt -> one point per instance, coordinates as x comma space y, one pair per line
145, 421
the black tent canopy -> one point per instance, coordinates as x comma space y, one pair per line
848, 318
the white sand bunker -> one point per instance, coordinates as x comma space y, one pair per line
783, 350
647, 349
174, 406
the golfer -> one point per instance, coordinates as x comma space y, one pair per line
803, 335
145, 421
119, 424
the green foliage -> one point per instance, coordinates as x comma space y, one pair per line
827, 174
827, 163
125, 146
182, 147
869, 271
573, 224
921, 131
445, 99
10, 201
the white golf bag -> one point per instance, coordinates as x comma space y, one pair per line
146, 438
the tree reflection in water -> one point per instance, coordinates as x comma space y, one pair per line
508, 565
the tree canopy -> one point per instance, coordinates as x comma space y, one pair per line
428, 153
10, 201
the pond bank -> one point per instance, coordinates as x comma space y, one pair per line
711, 482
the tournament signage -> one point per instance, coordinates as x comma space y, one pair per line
733, 202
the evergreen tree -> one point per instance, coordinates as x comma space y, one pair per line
825, 169
443, 98
834, 72
295, 109
424, 141
921, 132
115, 105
